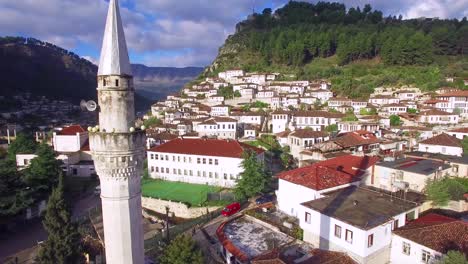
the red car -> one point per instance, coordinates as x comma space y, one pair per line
231, 209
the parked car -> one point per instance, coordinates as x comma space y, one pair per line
264, 199
231, 209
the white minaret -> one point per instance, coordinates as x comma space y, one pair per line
118, 149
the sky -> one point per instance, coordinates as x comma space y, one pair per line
170, 33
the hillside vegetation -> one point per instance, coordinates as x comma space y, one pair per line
357, 49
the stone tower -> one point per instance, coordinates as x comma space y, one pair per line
118, 149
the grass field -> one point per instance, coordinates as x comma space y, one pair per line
193, 194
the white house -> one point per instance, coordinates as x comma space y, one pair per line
427, 239
301, 139
459, 133
443, 144
231, 74
70, 139
200, 161
454, 100
438, 117
311, 181
24, 160
220, 110
383, 100
355, 220
407, 174
221, 127
279, 121
253, 118
317, 120
393, 109
321, 94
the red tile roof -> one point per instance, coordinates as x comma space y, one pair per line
437, 232
71, 130
330, 173
308, 133
317, 256
227, 244
436, 112
460, 130
356, 138
460, 93
206, 147
443, 140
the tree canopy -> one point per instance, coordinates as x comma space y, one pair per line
253, 179
63, 245
23, 144
182, 250
454, 257
446, 189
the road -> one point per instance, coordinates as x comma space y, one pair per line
27, 235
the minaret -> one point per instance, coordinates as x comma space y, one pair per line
118, 149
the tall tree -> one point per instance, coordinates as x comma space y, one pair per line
44, 171
454, 257
14, 196
253, 179
182, 250
63, 244
22, 145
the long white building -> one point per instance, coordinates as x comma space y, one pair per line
201, 161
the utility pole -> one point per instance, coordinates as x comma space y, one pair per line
167, 224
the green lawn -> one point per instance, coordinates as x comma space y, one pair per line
193, 194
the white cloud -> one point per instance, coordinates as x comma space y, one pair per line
191, 31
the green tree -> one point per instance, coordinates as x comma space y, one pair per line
446, 189
43, 172
14, 195
465, 145
237, 94
151, 122
182, 250
395, 120
286, 157
349, 117
22, 145
454, 257
63, 244
412, 111
253, 179
331, 128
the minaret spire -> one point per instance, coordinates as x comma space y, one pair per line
114, 54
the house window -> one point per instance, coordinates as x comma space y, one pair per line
425, 256
338, 231
157, 169
167, 170
210, 161
204, 161
307, 218
198, 160
204, 174
185, 172
210, 175
156, 156
216, 162
349, 236
225, 176
117, 83
406, 248
198, 173
395, 224
370, 240
152, 156
175, 171
152, 169
167, 157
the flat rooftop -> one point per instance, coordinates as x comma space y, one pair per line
415, 165
435, 156
360, 207
252, 238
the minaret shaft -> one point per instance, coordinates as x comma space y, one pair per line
118, 151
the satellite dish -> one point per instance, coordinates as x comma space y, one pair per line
91, 106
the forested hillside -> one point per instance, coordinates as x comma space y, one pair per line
357, 49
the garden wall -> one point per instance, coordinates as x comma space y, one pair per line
177, 208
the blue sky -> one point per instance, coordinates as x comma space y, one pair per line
168, 32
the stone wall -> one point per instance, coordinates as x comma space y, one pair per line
178, 209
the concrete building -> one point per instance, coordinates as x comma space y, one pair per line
220, 127
427, 239
438, 117
201, 161
443, 144
355, 220
324, 176
118, 149
302, 139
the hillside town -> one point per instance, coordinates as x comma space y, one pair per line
238, 167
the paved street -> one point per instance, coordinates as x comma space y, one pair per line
27, 235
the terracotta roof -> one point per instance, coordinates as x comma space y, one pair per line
71, 130
227, 244
206, 147
356, 138
436, 112
460, 93
308, 133
460, 130
437, 232
330, 173
381, 96
443, 140
283, 134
